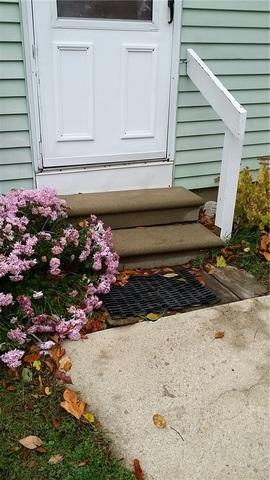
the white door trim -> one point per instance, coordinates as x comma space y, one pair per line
30, 53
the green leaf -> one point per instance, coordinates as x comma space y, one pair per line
27, 375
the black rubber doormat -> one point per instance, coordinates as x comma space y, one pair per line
157, 293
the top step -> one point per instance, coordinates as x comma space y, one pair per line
83, 204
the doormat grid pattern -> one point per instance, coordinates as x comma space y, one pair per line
157, 293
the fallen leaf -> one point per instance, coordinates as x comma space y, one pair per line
182, 279
264, 246
153, 316
47, 391
266, 256
40, 449
50, 364
221, 262
219, 334
27, 375
82, 463
62, 376
11, 388
56, 353
89, 416
54, 459
31, 442
72, 404
170, 275
168, 270
122, 279
56, 422
65, 363
31, 357
246, 249
37, 365
138, 472
83, 223
159, 421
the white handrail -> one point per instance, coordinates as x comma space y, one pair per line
233, 116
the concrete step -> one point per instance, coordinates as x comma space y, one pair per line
157, 206
162, 245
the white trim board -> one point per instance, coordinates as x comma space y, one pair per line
107, 179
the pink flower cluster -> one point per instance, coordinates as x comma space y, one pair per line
49, 259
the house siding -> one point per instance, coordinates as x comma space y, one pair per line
232, 37
16, 168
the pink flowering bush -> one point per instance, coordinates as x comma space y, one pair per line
51, 272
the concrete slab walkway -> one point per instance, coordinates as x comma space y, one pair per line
214, 392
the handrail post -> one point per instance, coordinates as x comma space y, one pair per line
233, 116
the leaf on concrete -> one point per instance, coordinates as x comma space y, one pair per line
54, 459
89, 416
31, 442
138, 472
72, 404
159, 421
62, 376
219, 334
221, 262
153, 316
65, 363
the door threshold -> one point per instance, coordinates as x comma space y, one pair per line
101, 178
95, 166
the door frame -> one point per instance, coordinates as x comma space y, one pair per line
32, 85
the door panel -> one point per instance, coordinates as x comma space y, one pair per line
104, 84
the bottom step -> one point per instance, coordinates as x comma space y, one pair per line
162, 245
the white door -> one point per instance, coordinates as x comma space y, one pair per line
104, 80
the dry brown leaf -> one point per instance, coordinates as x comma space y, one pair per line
72, 404
266, 256
56, 353
32, 357
65, 363
138, 472
54, 459
62, 376
31, 442
219, 334
264, 246
168, 270
159, 421
40, 449
56, 422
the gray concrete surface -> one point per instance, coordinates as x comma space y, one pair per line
214, 392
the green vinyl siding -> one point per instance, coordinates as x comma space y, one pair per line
232, 37
16, 168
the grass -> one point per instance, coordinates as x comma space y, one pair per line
251, 261
86, 455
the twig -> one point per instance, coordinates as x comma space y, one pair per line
177, 433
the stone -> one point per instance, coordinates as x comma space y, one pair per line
212, 393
